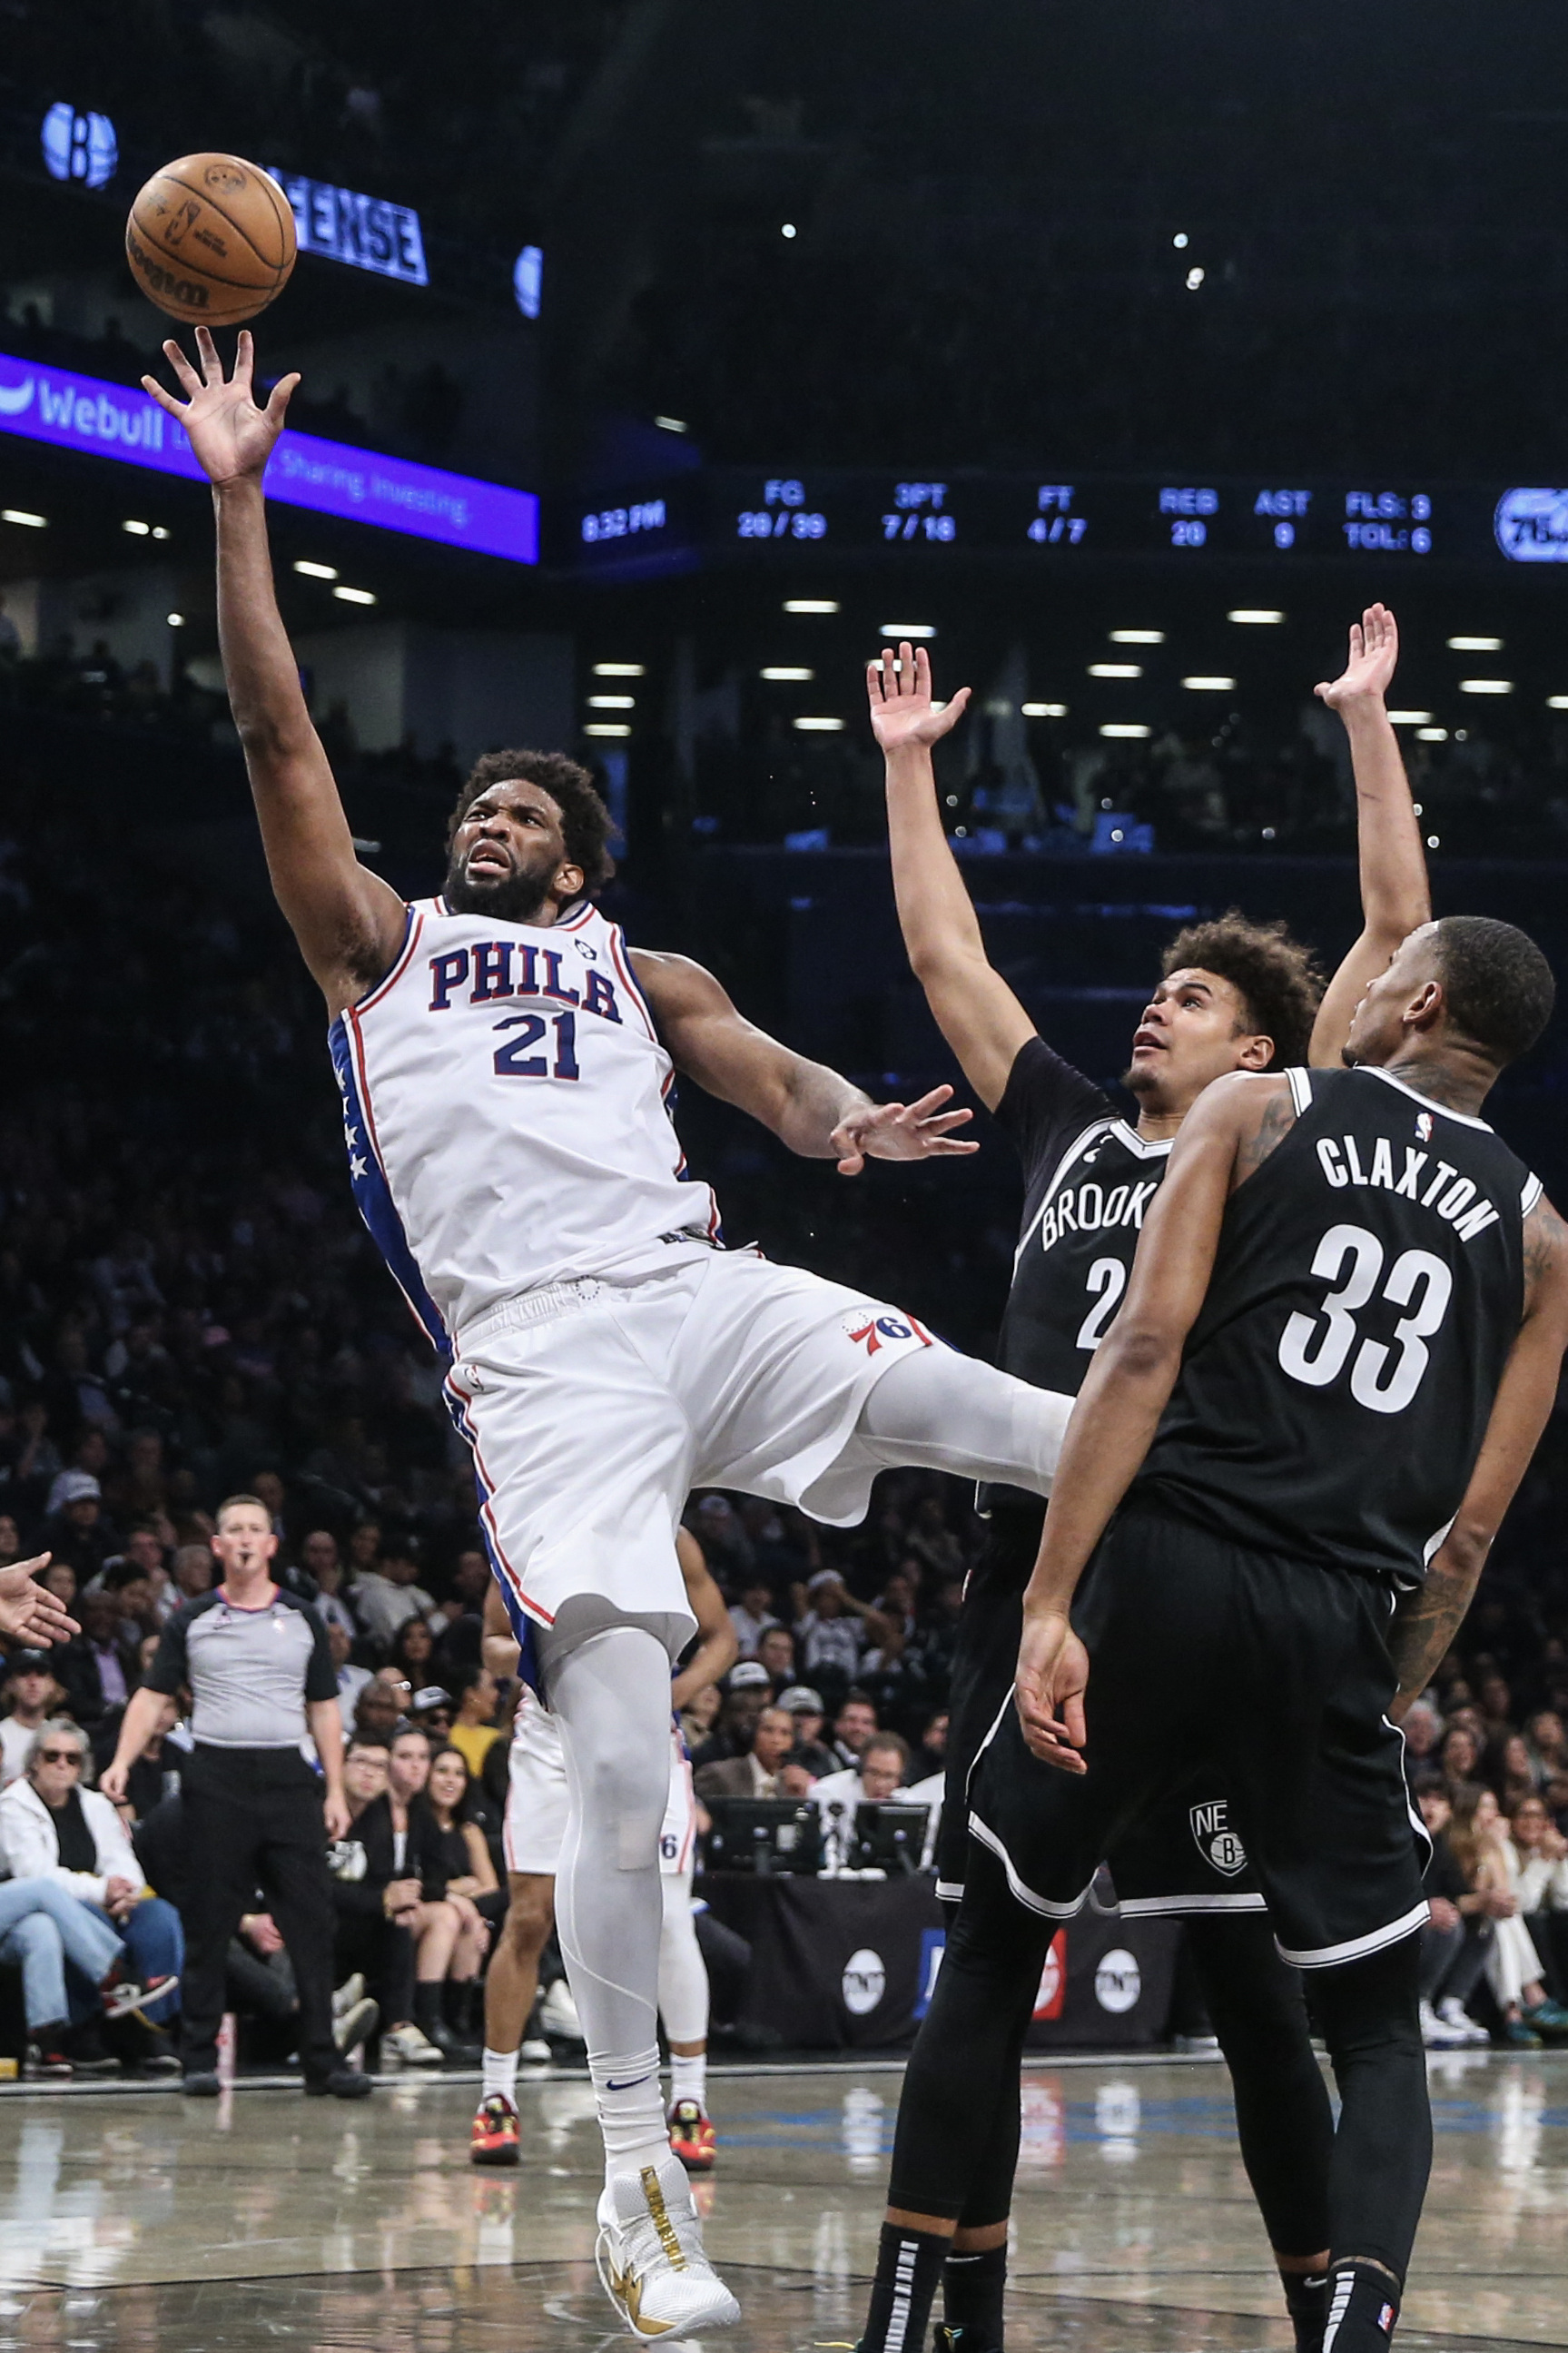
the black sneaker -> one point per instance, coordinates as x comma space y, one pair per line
958, 2340
342, 2084
45, 2061
201, 2084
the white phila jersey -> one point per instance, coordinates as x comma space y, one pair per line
505, 1109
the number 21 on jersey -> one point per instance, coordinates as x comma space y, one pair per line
1315, 1349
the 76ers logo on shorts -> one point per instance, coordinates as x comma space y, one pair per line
1217, 1842
873, 1328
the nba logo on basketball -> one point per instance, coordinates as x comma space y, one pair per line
1217, 1842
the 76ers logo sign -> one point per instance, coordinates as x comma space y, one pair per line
871, 1331
1217, 1842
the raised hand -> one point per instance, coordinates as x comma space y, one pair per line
902, 709
233, 438
917, 1130
29, 1613
1047, 1691
1368, 672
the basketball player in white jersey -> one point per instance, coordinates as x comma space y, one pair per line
537, 1803
504, 1061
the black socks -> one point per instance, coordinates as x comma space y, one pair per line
1363, 2304
908, 2265
1307, 2301
972, 2288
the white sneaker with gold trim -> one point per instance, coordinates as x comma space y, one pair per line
650, 2259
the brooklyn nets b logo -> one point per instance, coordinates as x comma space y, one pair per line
1217, 1842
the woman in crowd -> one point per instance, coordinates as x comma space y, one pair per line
458, 1873
1537, 1858
412, 1652
1513, 1967
1458, 1756
1508, 1772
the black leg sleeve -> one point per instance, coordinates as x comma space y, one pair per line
293, 1862
1283, 2117
1383, 2149
956, 2146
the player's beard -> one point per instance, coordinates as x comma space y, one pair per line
519, 896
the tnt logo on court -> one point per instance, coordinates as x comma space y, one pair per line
1217, 1842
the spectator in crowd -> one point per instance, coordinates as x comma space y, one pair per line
77, 1530
876, 1778
810, 1752
726, 1547
760, 1772
932, 1755
1458, 1756
99, 1667
1513, 1966
1453, 1950
352, 1679
1548, 1745
474, 1728
387, 1595
413, 1893
853, 1726
753, 1615
29, 1693
1536, 1854
698, 1715
413, 1651
1508, 1769
835, 1630
193, 1571
370, 1940
461, 1621
55, 1939
460, 1873
776, 1655
381, 1708
747, 1692
262, 1677
323, 1564
52, 1826
1423, 1729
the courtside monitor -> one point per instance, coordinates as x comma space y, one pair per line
889, 1838
764, 1835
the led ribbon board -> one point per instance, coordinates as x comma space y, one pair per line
366, 232
110, 420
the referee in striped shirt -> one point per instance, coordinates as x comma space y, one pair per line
260, 1676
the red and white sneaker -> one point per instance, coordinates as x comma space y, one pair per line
120, 1996
691, 2135
494, 2137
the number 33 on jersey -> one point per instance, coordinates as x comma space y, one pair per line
505, 1098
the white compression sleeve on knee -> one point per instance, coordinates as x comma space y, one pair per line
611, 1696
941, 1411
682, 1975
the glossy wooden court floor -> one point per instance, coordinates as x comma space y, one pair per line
262, 2223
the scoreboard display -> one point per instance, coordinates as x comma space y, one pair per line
727, 513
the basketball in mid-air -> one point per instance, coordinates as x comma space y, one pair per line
211, 240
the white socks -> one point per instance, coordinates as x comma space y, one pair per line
688, 2078
500, 2075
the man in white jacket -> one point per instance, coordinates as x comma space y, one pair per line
53, 1828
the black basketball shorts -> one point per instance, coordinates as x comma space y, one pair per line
1276, 1672
1186, 1856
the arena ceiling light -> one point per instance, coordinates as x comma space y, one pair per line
1474, 645
907, 629
606, 727
315, 571
354, 596
820, 726
1209, 685
1115, 669
1125, 727
672, 424
137, 530
811, 604
22, 516
175, 620
1485, 686
1410, 718
1557, 702
783, 674
620, 669
1137, 637
1044, 710
1255, 617
1437, 734
612, 702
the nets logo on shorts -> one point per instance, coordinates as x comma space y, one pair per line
1217, 1842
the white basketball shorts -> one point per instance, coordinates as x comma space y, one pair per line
537, 1799
594, 1407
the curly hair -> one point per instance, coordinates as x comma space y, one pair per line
585, 822
1273, 975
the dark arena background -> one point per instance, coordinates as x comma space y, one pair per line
660, 362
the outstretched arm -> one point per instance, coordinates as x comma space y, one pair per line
1395, 898
975, 1010
809, 1107
1234, 1125
1426, 1620
347, 921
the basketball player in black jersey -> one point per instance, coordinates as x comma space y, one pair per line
1234, 996
1340, 1345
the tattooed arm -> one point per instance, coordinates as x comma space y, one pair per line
1426, 1620
1234, 1126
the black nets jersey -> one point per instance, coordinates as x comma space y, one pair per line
1088, 1178
1368, 1287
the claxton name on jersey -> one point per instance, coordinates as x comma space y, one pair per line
493, 969
1090, 1208
1435, 1183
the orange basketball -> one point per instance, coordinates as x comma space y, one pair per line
211, 238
